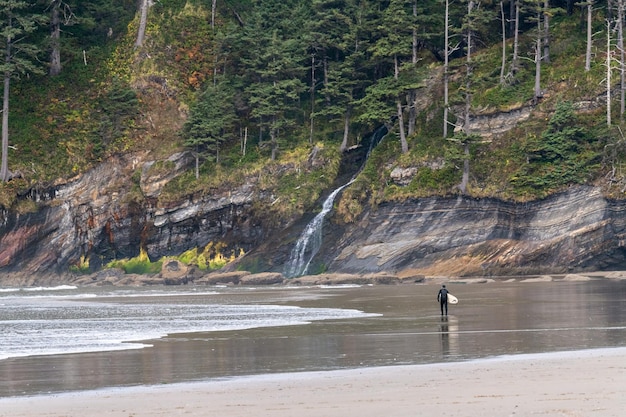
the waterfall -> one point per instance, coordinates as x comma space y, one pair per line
310, 240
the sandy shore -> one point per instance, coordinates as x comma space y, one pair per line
583, 383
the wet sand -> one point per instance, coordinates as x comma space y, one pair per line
580, 383
555, 335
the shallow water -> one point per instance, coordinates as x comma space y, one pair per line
358, 326
61, 320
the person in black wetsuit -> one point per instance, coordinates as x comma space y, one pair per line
442, 297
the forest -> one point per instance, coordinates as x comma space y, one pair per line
244, 83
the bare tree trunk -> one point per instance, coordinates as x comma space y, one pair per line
403, 142
468, 72
515, 59
538, 93
445, 70
503, 42
622, 69
244, 141
589, 35
4, 168
468, 101
546, 32
608, 73
414, 44
346, 130
412, 122
213, 8
311, 117
55, 39
143, 21
412, 96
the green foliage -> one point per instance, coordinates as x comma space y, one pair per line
558, 157
118, 109
18, 20
81, 267
441, 180
19, 57
276, 82
210, 258
211, 121
140, 264
269, 68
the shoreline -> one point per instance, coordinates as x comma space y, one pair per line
577, 383
117, 278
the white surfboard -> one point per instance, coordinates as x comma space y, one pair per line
452, 299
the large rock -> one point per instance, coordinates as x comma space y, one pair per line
222, 278
174, 272
100, 216
573, 231
266, 278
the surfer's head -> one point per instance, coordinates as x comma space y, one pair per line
443, 286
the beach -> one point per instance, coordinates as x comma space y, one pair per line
579, 383
507, 349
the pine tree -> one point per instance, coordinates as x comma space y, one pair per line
394, 44
17, 21
327, 32
211, 122
274, 66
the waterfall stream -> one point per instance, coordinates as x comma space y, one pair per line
310, 240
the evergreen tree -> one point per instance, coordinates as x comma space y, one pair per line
395, 44
276, 93
556, 158
274, 67
426, 24
210, 122
474, 23
62, 15
99, 21
17, 21
327, 32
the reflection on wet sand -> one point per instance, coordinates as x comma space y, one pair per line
449, 336
493, 319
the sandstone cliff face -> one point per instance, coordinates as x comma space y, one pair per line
96, 217
573, 231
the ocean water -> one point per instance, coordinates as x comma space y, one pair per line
65, 319
65, 339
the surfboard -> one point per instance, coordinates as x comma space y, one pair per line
452, 299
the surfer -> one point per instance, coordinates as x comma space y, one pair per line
442, 297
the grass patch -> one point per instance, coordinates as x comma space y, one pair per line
140, 264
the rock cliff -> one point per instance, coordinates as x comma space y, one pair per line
576, 230
98, 217
95, 217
